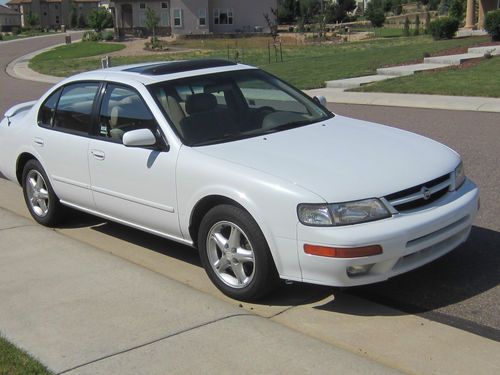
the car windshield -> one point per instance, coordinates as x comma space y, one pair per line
227, 106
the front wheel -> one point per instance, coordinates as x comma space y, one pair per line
39, 196
235, 253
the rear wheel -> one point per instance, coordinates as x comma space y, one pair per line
235, 253
39, 196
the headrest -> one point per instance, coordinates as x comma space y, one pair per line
200, 103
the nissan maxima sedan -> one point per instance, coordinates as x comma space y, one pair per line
266, 182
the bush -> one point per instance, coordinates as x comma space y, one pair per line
91, 36
443, 28
16, 30
1, 36
417, 25
107, 35
375, 15
492, 24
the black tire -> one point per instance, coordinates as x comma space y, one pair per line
264, 277
54, 209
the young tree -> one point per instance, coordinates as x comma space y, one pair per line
151, 22
73, 16
272, 23
100, 19
406, 28
82, 22
417, 25
32, 19
427, 22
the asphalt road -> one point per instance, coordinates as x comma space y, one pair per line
461, 289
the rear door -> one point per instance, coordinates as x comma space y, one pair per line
62, 141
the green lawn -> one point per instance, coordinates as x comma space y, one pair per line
14, 361
66, 60
306, 66
479, 80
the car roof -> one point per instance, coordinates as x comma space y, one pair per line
150, 73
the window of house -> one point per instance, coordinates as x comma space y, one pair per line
202, 17
177, 17
142, 5
223, 16
57, 19
74, 108
164, 5
56, 6
122, 110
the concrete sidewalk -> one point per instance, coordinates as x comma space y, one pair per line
80, 310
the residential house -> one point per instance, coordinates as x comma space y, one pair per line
9, 18
51, 13
183, 17
484, 7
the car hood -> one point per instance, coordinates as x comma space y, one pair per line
342, 159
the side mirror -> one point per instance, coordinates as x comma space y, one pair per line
320, 99
139, 138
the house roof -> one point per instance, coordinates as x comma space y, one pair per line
8, 11
15, 2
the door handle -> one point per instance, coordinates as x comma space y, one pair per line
99, 155
38, 141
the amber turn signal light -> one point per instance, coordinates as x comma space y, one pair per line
342, 252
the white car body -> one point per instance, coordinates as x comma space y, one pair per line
337, 160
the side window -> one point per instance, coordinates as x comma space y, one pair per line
122, 110
74, 109
48, 110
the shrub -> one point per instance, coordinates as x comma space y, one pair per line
1, 36
107, 35
375, 15
16, 30
91, 36
492, 24
443, 28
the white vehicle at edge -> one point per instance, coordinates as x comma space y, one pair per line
264, 181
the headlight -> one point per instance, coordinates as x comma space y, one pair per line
314, 214
342, 213
459, 175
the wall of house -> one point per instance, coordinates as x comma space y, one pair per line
246, 15
7, 21
190, 16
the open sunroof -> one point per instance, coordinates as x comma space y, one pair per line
179, 66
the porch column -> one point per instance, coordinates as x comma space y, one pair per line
469, 18
480, 18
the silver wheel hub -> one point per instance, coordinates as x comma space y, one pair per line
230, 254
38, 193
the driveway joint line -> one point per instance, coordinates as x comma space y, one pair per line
18, 226
155, 341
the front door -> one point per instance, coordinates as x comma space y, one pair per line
127, 16
133, 185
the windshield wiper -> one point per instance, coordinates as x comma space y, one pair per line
287, 126
224, 138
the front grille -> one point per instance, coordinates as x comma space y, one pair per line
420, 195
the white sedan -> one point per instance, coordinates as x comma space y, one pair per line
263, 180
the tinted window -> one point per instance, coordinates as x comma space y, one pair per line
75, 107
123, 110
48, 110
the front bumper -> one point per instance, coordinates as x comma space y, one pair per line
409, 240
